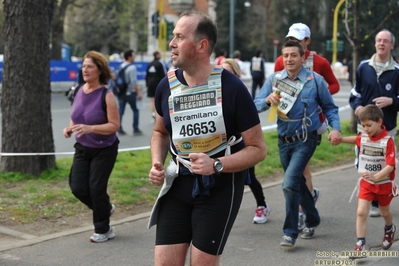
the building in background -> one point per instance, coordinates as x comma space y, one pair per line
171, 11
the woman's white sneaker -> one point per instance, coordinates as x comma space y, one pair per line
261, 214
98, 238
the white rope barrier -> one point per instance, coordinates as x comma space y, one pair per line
65, 153
265, 128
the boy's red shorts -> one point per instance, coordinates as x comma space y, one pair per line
381, 193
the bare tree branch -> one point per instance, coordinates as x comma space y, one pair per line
379, 27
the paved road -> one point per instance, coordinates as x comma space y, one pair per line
249, 244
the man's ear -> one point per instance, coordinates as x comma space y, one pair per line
203, 45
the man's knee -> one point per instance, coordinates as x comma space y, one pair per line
307, 172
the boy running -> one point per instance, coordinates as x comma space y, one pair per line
376, 166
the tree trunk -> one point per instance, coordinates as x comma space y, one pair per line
57, 28
26, 91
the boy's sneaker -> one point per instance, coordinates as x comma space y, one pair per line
287, 241
360, 247
374, 211
112, 210
261, 214
98, 238
308, 232
301, 221
316, 195
389, 236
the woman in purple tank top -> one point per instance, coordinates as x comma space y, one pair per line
94, 122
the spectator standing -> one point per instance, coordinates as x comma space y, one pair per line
80, 80
301, 33
377, 82
199, 202
133, 93
301, 92
115, 57
96, 144
257, 69
154, 74
377, 162
237, 57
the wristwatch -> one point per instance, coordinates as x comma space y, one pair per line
217, 166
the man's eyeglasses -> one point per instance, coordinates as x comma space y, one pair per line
384, 41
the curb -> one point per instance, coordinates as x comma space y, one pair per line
29, 240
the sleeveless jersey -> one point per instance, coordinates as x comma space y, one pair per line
197, 116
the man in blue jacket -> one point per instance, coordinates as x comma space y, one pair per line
302, 93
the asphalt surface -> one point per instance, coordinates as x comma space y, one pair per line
248, 244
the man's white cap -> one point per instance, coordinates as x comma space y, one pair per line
299, 31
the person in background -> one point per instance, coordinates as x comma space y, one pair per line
96, 144
301, 33
115, 57
376, 166
262, 210
154, 74
231, 65
237, 58
133, 93
80, 80
377, 82
203, 185
302, 92
257, 69
221, 56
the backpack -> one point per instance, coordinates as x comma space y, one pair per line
120, 84
70, 94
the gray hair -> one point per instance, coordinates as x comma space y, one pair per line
390, 33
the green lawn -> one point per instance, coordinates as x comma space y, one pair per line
27, 199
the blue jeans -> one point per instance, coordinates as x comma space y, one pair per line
131, 99
293, 157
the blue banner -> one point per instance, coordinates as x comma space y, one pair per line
68, 71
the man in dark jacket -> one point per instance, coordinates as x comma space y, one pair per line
155, 72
